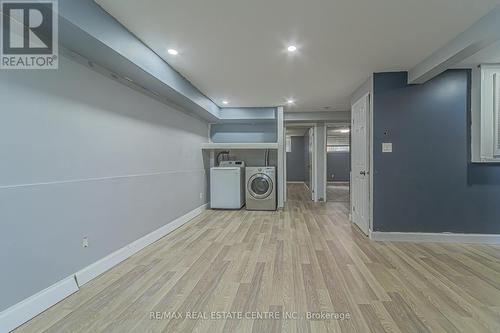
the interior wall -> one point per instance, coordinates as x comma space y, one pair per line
251, 132
338, 166
295, 160
428, 184
84, 156
253, 157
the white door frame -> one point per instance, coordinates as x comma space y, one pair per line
312, 161
280, 174
325, 164
284, 166
327, 125
313, 126
369, 136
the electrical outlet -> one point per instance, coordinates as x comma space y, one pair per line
201, 195
85, 242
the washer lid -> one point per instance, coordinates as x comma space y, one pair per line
260, 186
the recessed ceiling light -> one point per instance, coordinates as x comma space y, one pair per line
173, 52
225, 102
291, 48
290, 101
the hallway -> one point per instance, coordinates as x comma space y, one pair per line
337, 192
305, 260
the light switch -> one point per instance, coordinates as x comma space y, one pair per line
387, 147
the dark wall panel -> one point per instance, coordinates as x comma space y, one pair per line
306, 162
295, 161
427, 184
338, 166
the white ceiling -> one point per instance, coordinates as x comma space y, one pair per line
236, 49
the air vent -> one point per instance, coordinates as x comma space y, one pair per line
496, 108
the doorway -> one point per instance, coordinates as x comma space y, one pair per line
300, 156
338, 162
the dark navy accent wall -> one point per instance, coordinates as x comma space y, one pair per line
338, 166
427, 184
305, 165
295, 171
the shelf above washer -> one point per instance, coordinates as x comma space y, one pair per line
249, 145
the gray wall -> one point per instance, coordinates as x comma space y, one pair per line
428, 183
252, 157
295, 170
257, 132
83, 156
338, 166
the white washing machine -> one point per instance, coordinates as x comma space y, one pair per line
227, 185
261, 188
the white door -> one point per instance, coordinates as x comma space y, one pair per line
312, 185
360, 163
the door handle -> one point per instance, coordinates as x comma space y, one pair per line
362, 173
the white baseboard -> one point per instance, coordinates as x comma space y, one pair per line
23, 311
92, 271
27, 309
421, 237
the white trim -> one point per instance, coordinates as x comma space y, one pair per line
240, 145
371, 151
281, 158
421, 237
314, 168
92, 271
325, 165
23, 311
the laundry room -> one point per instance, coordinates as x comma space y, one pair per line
243, 159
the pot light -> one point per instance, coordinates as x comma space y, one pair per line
291, 48
225, 102
290, 101
173, 52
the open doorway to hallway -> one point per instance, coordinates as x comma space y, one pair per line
299, 148
338, 162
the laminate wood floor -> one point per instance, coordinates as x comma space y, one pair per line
307, 258
337, 192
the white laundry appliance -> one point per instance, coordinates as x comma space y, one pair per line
227, 185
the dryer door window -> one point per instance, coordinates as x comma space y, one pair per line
260, 186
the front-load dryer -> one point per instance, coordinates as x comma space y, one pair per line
260, 188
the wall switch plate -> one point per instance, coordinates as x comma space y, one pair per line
85, 242
387, 147
201, 195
